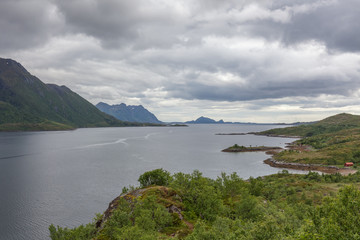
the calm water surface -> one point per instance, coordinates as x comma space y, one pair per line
65, 178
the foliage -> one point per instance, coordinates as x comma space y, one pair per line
331, 124
79, 233
158, 177
332, 141
279, 206
327, 149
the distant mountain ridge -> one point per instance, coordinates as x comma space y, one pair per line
26, 103
205, 120
128, 113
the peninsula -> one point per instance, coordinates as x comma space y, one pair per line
324, 146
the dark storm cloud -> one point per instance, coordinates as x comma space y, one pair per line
255, 90
335, 24
231, 50
121, 23
26, 24
142, 24
106, 20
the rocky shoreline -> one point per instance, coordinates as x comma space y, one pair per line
301, 166
278, 164
274, 135
309, 167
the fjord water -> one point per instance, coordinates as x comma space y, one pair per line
64, 178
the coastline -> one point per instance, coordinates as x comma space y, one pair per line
310, 167
303, 166
278, 164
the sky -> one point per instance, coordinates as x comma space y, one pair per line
237, 60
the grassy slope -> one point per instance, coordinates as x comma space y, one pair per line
280, 206
328, 125
27, 102
41, 126
334, 141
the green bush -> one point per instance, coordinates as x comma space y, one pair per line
158, 177
280, 206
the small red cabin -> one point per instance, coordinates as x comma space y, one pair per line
349, 164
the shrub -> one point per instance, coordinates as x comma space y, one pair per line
155, 177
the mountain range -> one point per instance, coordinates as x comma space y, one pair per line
206, 120
26, 103
128, 113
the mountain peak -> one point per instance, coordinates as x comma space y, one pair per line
11, 67
30, 104
130, 113
203, 119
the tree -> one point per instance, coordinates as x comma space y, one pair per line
158, 177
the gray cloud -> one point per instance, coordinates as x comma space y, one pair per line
122, 23
334, 24
108, 20
27, 24
242, 53
263, 90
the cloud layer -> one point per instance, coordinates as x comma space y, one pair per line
268, 60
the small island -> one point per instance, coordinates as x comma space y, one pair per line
177, 125
230, 133
237, 148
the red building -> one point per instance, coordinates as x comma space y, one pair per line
349, 164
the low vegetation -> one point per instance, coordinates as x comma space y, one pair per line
326, 149
191, 206
40, 126
328, 125
280, 206
237, 148
332, 141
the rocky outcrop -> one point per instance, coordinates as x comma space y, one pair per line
132, 196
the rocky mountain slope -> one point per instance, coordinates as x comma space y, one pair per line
128, 113
26, 103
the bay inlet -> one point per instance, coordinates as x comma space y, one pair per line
64, 178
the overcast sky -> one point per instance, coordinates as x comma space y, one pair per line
237, 60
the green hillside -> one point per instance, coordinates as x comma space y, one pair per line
193, 207
332, 141
26, 103
328, 125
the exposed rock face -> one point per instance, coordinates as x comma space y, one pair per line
114, 203
131, 197
128, 113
